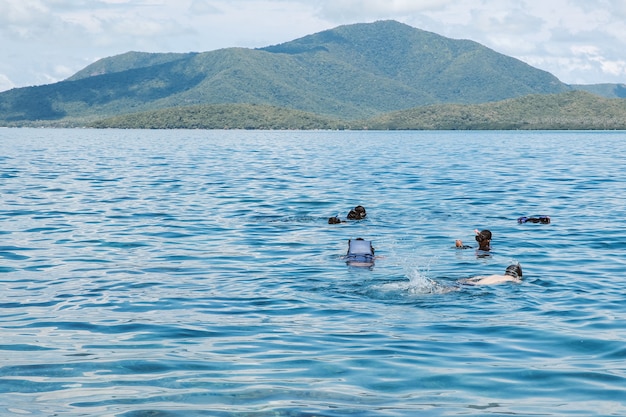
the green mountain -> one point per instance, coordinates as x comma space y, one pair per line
350, 72
129, 60
604, 90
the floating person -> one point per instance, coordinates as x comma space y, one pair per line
538, 219
513, 273
357, 213
483, 238
360, 253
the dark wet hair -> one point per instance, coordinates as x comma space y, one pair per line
334, 220
514, 271
484, 235
357, 213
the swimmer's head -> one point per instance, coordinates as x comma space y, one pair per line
334, 220
357, 213
514, 271
482, 236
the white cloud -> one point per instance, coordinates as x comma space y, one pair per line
357, 10
22, 20
592, 56
203, 7
5, 83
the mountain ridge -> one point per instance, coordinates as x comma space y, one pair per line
350, 72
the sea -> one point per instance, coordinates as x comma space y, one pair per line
182, 273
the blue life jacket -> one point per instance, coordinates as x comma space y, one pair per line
360, 251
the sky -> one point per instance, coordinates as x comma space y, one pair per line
45, 41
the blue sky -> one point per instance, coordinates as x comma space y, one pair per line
44, 41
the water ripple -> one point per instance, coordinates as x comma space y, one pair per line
193, 273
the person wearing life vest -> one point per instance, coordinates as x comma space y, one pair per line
360, 253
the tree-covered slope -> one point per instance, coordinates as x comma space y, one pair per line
127, 61
440, 69
350, 72
565, 111
221, 116
571, 110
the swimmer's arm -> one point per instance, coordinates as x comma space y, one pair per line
473, 280
459, 244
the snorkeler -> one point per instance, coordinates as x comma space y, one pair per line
513, 273
360, 253
539, 219
483, 238
357, 213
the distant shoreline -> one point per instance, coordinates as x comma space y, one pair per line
575, 110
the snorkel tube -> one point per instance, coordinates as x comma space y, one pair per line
539, 219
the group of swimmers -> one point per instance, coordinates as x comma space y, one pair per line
513, 272
361, 252
357, 213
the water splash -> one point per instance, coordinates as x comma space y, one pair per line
419, 283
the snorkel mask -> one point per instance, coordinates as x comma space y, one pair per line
514, 271
482, 236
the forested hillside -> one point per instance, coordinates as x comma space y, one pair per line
572, 110
350, 72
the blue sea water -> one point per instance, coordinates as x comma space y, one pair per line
193, 273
